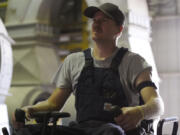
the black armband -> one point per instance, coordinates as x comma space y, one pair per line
145, 84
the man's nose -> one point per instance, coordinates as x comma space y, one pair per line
98, 22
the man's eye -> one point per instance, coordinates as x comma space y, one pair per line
100, 21
94, 20
105, 20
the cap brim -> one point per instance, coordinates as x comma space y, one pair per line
90, 11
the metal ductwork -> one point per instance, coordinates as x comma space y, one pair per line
42, 21
164, 7
38, 26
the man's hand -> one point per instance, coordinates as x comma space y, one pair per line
18, 117
17, 125
28, 111
130, 117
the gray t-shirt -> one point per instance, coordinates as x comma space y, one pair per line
131, 66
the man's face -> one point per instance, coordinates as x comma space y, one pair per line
104, 28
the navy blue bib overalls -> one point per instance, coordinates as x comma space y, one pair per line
97, 86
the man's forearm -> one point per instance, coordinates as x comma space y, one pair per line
153, 109
42, 106
54, 102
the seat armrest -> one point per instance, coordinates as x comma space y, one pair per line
173, 120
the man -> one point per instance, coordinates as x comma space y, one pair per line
104, 77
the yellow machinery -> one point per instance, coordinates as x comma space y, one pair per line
3, 6
83, 41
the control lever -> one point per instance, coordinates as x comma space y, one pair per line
114, 109
20, 115
54, 114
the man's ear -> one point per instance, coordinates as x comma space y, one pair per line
121, 28
120, 31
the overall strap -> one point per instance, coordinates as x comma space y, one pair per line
118, 58
88, 58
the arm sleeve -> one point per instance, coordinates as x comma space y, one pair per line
137, 65
62, 78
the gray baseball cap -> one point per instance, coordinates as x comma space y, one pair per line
109, 9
